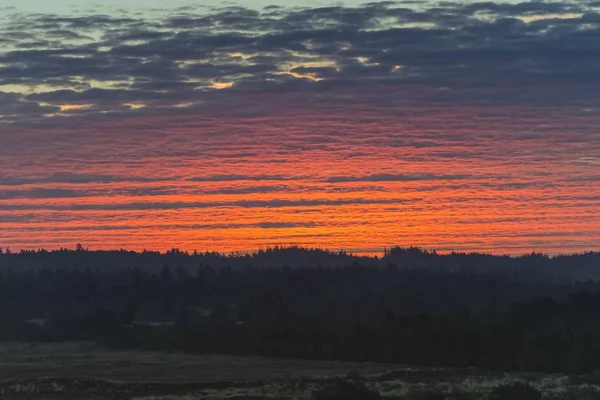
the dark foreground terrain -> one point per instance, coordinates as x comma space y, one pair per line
293, 323
83, 370
409, 308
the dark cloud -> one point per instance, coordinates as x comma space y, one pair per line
70, 178
201, 205
535, 48
282, 225
208, 227
399, 178
39, 193
229, 178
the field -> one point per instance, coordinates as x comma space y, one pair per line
87, 371
76, 360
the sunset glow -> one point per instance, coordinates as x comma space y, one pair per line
271, 132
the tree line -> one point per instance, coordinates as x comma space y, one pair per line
391, 313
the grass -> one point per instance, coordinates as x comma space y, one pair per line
84, 370
82, 359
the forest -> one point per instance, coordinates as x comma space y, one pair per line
413, 307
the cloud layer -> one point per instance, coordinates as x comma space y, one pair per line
492, 52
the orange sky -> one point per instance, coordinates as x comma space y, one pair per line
460, 178
451, 126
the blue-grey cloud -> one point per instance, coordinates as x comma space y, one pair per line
167, 59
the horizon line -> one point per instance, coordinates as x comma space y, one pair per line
362, 253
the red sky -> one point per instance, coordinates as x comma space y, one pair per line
462, 161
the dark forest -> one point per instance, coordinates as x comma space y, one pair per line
411, 306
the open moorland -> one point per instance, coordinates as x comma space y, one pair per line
83, 370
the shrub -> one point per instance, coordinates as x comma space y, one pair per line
515, 391
585, 393
425, 395
339, 389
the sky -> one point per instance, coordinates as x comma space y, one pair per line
75, 6
453, 126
